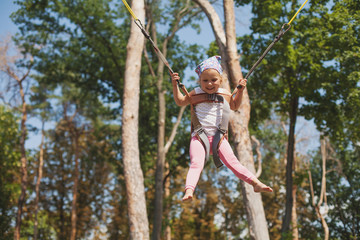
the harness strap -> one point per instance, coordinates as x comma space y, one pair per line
205, 97
200, 133
222, 129
221, 133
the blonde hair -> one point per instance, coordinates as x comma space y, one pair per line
223, 75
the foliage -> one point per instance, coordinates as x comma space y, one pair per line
344, 215
338, 97
98, 165
9, 165
325, 77
197, 220
316, 61
342, 191
78, 41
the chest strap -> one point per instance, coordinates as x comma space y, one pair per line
205, 97
220, 134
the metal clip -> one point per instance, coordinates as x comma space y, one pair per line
139, 24
198, 130
282, 32
212, 97
223, 131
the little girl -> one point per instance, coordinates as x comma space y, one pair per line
210, 104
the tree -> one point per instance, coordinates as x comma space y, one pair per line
40, 104
300, 82
78, 162
338, 97
334, 207
322, 197
84, 49
343, 218
183, 13
18, 70
226, 41
272, 140
134, 179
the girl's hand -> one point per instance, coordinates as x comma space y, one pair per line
174, 78
242, 83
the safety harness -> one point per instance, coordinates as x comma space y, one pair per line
222, 130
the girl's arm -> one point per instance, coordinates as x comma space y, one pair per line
179, 98
236, 101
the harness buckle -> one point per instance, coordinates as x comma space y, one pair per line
215, 98
199, 130
223, 131
212, 97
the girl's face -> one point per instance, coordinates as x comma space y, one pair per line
210, 80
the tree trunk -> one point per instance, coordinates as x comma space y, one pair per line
294, 102
322, 196
161, 154
162, 147
159, 175
295, 230
24, 173
38, 181
134, 179
167, 185
323, 189
239, 119
258, 228
7, 66
76, 183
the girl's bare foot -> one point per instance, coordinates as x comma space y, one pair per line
260, 187
188, 195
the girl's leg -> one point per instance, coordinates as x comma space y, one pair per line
197, 157
229, 159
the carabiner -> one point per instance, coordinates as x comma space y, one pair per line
282, 32
283, 26
139, 24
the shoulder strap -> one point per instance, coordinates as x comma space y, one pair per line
205, 97
221, 133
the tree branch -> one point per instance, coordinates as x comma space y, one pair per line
215, 23
173, 132
258, 155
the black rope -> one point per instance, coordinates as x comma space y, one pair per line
158, 52
277, 38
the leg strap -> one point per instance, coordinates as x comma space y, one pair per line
219, 136
201, 135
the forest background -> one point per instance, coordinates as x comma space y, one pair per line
62, 172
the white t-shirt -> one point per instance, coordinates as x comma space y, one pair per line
209, 113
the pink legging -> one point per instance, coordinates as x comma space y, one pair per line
226, 154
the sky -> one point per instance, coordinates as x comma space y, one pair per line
7, 26
243, 19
